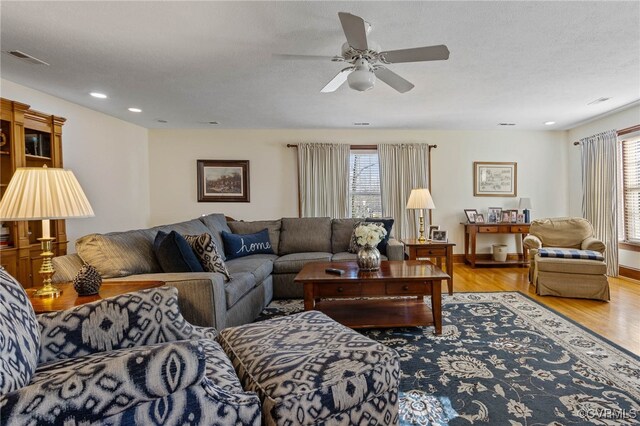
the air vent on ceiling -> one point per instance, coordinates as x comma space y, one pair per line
26, 57
213, 123
361, 124
506, 124
599, 100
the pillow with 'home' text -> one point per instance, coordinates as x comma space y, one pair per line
239, 245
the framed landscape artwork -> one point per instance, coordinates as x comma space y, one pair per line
223, 181
495, 179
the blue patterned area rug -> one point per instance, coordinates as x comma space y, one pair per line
504, 359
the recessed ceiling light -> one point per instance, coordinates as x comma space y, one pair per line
98, 95
135, 110
549, 123
506, 124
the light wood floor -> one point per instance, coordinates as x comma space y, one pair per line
617, 320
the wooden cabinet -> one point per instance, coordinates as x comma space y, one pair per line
29, 139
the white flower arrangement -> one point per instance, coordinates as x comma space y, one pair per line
370, 234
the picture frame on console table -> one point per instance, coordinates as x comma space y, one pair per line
471, 215
497, 179
223, 181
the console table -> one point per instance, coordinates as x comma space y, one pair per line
471, 231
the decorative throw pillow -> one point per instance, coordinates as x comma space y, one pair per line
239, 245
207, 253
387, 222
353, 242
20, 341
175, 254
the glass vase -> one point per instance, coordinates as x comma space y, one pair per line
368, 258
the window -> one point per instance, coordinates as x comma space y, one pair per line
364, 184
630, 179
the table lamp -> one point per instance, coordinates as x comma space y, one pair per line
42, 193
525, 206
420, 199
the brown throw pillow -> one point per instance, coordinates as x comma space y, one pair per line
207, 253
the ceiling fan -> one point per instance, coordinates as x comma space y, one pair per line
366, 60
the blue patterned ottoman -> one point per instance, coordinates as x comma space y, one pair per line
308, 369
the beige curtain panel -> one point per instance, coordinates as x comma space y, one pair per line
599, 191
323, 179
403, 167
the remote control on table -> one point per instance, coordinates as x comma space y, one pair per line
334, 271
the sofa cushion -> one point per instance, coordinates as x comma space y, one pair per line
293, 263
216, 223
305, 234
260, 265
387, 222
19, 335
174, 253
570, 253
241, 284
208, 254
306, 368
119, 254
66, 267
240, 245
241, 227
190, 227
341, 230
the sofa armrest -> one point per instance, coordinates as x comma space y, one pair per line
532, 242
107, 385
594, 244
395, 249
133, 319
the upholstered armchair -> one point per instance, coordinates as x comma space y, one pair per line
566, 259
131, 359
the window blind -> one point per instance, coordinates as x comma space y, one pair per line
631, 189
364, 184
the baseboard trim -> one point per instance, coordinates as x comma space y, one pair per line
459, 258
628, 272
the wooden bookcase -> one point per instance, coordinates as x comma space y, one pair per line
29, 139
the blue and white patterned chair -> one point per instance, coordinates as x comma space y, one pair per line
131, 359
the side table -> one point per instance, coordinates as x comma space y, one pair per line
70, 298
432, 249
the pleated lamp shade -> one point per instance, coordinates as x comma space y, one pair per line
420, 199
40, 193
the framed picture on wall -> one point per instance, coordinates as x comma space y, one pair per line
498, 179
223, 181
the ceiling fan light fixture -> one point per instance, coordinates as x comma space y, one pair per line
361, 80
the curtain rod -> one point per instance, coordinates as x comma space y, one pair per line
621, 132
293, 145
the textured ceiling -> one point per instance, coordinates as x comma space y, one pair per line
194, 62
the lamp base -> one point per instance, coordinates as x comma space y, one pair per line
421, 238
46, 271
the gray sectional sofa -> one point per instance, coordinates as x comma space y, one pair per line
205, 298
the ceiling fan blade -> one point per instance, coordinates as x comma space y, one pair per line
355, 30
301, 57
416, 54
337, 81
393, 79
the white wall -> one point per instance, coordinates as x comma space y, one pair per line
623, 119
541, 158
108, 156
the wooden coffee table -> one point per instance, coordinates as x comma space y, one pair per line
336, 295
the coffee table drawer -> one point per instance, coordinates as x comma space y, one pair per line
338, 290
402, 289
427, 252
